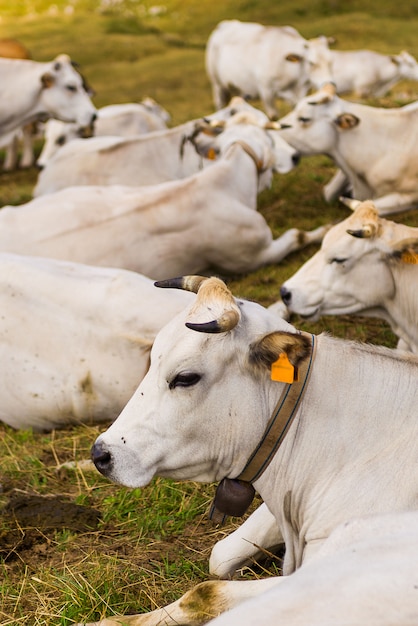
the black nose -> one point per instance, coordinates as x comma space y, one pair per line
286, 295
101, 457
296, 158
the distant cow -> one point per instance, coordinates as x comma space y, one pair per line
75, 339
14, 49
265, 62
364, 267
33, 91
121, 120
153, 158
206, 220
375, 148
368, 73
330, 442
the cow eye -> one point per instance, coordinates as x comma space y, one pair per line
338, 260
72, 88
61, 140
304, 120
184, 380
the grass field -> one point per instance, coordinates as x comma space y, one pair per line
101, 548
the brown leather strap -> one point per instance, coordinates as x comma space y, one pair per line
279, 423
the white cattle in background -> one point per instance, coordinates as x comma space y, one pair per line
32, 90
368, 73
156, 157
207, 220
205, 407
75, 339
121, 120
375, 148
265, 62
364, 267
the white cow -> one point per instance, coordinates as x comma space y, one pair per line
368, 73
364, 267
75, 339
265, 62
376, 149
146, 160
121, 120
206, 407
33, 90
207, 220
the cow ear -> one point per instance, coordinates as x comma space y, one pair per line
266, 351
293, 57
47, 80
345, 121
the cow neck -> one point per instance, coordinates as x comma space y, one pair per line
234, 496
251, 153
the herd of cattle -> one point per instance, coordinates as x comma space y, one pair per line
121, 201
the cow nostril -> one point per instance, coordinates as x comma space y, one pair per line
101, 457
286, 295
296, 158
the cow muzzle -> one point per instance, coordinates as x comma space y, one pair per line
102, 458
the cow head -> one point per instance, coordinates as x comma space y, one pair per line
204, 403
313, 125
352, 271
407, 65
64, 94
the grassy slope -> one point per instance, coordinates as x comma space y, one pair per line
138, 558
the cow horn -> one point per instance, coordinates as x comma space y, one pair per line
349, 202
227, 321
187, 283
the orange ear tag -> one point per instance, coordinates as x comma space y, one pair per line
211, 154
282, 371
409, 257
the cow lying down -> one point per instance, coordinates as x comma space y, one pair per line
209, 219
342, 430
365, 267
75, 339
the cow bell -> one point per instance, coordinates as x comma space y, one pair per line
232, 497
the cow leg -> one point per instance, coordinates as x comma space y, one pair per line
197, 606
10, 159
339, 185
244, 545
292, 240
395, 203
28, 157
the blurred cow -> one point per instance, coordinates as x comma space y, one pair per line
268, 62
375, 148
368, 73
121, 120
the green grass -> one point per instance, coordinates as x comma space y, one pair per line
151, 545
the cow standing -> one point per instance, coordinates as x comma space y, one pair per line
265, 62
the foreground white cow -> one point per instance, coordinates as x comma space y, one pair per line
120, 120
203, 410
368, 73
75, 339
376, 149
146, 160
33, 90
364, 267
265, 62
207, 220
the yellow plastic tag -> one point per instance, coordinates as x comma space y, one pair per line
283, 371
409, 257
211, 154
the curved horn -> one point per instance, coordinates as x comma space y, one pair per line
366, 232
187, 283
225, 322
349, 202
